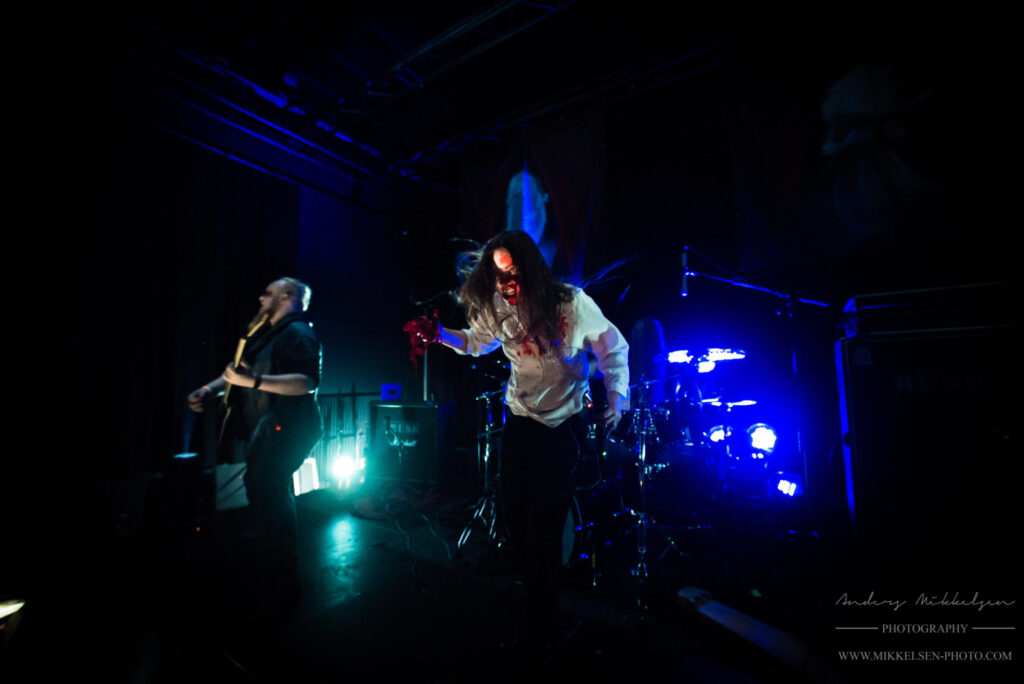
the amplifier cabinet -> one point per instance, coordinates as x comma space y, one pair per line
411, 441
928, 425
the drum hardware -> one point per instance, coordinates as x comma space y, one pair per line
485, 510
593, 527
585, 535
666, 439
659, 439
492, 428
593, 449
789, 309
672, 546
655, 440
645, 435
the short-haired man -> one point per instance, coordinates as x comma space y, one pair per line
277, 380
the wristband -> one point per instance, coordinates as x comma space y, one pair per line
259, 379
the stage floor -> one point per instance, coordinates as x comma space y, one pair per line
386, 594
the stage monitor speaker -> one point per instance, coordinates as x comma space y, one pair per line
410, 441
927, 420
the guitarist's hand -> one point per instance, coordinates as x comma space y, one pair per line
197, 398
240, 375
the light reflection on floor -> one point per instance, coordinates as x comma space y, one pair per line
342, 558
342, 535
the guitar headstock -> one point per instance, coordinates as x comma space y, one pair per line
256, 324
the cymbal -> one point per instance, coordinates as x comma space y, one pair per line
493, 393
713, 354
718, 401
649, 383
717, 354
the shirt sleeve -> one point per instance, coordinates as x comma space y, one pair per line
299, 351
606, 342
479, 339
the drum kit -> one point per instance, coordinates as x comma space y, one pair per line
658, 474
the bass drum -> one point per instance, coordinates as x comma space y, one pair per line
679, 426
678, 483
595, 525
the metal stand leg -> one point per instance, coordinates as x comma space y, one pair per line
486, 514
486, 508
646, 436
645, 450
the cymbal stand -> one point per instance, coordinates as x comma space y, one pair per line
645, 436
486, 507
788, 310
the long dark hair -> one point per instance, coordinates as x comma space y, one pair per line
540, 293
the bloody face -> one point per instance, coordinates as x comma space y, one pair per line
507, 282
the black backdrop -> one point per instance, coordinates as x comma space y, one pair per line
153, 247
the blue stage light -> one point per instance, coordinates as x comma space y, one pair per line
762, 437
715, 354
789, 485
706, 361
680, 356
718, 433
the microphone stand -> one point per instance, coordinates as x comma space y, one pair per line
426, 351
426, 369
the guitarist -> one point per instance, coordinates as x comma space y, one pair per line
276, 380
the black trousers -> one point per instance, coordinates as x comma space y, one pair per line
536, 492
274, 452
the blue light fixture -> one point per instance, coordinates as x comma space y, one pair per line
762, 437
789, 485
679, 356
716, 354
706, 361
705, 366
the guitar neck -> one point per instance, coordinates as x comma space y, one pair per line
240, 348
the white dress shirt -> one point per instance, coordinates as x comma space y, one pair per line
548, 384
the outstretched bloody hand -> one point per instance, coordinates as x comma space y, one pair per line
422, 331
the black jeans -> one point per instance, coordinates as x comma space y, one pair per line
536, 492
273, 454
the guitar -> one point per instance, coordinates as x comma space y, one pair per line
253, 328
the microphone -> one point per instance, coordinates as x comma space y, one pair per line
683, 292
